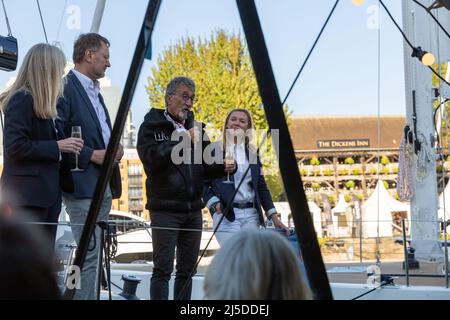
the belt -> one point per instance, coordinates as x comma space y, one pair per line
243, 205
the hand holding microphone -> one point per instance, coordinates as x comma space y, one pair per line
190, 125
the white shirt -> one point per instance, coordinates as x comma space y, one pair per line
92, 89
246, 192
177, 125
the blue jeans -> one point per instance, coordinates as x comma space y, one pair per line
293, 241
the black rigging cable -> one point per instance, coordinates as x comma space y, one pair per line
229, 205
409, 42
224, 214
42, 20
310, 52
386, 281
7, 20
434, 18
434, 119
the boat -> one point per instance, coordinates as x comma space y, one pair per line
377, 286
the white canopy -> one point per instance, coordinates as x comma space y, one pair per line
378, 209
284, 209
445, 195
341, 221
341, 206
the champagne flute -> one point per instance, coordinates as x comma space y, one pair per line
229, 160
76, 133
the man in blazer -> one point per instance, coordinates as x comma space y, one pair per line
83, 106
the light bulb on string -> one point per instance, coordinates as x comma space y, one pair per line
425, 57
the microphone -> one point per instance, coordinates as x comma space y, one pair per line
190, 120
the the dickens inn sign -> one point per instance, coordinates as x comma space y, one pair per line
343, 144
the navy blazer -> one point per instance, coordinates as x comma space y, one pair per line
76, 109
31, 155
215, 190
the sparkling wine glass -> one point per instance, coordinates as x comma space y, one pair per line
229, 160
76, 133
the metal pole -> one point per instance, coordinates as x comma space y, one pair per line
293, 186
360, 239
141, 52
445, 253
98, 15
405, 252
101, 225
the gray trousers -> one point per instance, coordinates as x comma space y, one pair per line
78, 210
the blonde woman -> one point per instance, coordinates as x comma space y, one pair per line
255, 265
252, 196
31, 148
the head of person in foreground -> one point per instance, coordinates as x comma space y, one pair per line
255, 265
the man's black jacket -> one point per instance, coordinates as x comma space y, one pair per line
171, 187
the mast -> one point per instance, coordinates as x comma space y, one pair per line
98, 15
421, 31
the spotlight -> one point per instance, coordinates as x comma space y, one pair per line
424, 56
8, 53
439, 4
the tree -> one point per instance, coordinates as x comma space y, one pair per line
222, 71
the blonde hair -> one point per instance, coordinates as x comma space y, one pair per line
255, 265
41, 76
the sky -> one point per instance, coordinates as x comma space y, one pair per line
341, 77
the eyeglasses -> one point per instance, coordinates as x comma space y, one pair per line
187, 97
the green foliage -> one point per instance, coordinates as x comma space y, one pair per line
384, 160
395, 170
373, 171
275, 185
350, 184
442, 71
332, 199
304, 172
222, 71
343, 172
386, 184
349, 160
384, 170
316, 172
327, 172
314, 161
322, 241
223, 74
315, 186
357, 171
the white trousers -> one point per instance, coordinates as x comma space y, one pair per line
244, 218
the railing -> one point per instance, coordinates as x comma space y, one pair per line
352, 248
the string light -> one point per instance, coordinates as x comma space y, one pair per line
424, 56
